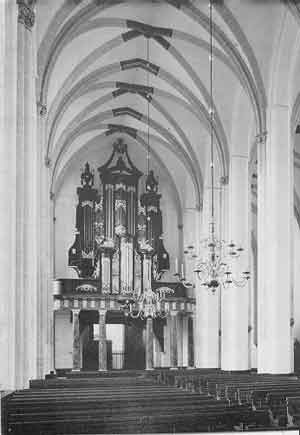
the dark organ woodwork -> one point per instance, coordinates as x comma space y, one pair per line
118, 240
82, 252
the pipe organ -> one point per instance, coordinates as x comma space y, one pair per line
118, 239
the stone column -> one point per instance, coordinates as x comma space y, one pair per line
46, 259
26, 198
76, 341
206, 314
173, 339
275, 255
149, 343
9, 318
179, 328
185, 341
166, 353
206, 328
235, 300
102, 341
192, 223
191, 342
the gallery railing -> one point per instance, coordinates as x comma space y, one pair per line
91, 287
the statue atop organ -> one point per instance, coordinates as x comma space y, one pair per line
118, 239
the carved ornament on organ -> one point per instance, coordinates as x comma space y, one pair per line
118, 237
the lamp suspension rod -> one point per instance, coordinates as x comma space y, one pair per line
211, 118
148, 113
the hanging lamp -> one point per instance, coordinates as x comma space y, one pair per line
215, 268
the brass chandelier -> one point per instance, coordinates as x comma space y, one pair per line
147, 304
216, 266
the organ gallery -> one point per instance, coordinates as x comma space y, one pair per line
119, 256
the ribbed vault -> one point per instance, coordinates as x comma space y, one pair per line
94, 80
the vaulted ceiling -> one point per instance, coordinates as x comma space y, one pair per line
103, 64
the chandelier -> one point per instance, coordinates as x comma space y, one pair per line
216, 267
146, 304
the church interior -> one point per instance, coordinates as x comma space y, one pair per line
150, 210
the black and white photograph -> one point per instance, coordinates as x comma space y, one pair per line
149, 217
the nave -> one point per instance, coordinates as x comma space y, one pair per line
150, 215
153, 402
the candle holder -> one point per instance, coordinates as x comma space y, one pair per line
181, 276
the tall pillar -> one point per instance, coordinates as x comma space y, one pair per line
18, 174
46, 259
26, 193
149, 343
235, 300
206, 343
8, 315
275, 232
31, 180
102, 341
76, 341
173, 339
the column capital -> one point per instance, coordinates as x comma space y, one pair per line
26, 14
102, 312
41, 108
261, 138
